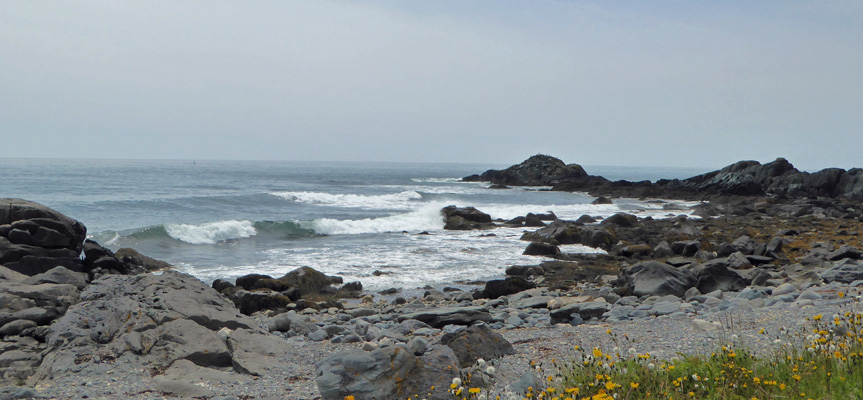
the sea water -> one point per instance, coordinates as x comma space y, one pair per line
377, 223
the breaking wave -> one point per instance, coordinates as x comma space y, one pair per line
397, 201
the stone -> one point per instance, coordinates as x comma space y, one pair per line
538, 170
654, 278
783, 289
16, 327
306, 280
385, 373
843, 252
318, 335
417, 345
185, 339
256, 354
541, 249
719, 277
59, 275
622, 220
846, 271
475, 342
503, 287
442, 316
585, 311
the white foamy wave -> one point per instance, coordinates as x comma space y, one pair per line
397, 201
436, 180
212, 232
425, 219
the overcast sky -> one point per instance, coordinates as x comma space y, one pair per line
663, 83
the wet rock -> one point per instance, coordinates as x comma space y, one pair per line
541, 249
622, 220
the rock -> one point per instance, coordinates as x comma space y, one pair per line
525, 270
180, 388
417, 345
686, 248
252, 302
15, 393
526, 382
183, 339
475, 342
744, 244
636, 250
846, 271
136, 262
459, 223
783, 289
844, 252
541, 249
220, 284
386, 373
256, 354
584, 311
248, 281
654, 278
719, 277
538, 170
318, 335
585, 219
155, 319
503, 287
306, 280
15, 328
470, 214
567, 232
442, 316
622, 220
533, 220
601, 200
59, 275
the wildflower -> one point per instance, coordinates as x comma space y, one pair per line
475, 390
633, 385
632, 352
480, 362
456, 381
651, 366
597, 352
734, 337
818, 317
351, 397
490, 370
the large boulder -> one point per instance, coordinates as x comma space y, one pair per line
845, 271
392, 372
475, 342
35, 238
439, 317
150, 322
504, 287
717, 276
568, 232
465, 218
652, 278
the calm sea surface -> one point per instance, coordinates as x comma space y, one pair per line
223, 219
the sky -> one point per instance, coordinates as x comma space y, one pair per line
630, 83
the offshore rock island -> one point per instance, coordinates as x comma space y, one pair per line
766, 244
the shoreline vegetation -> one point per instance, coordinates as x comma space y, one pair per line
768, 263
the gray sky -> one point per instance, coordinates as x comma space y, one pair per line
664, 83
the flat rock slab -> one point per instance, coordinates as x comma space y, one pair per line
440, 317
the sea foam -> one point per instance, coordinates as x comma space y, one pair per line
211, 232
424, 219
395, 201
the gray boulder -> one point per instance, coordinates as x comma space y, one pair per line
845, 271
475, 342
392, 372
652, 278
442, 316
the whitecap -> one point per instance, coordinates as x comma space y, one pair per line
212, 232
397, 201
424, 219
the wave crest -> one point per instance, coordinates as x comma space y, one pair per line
211, 232
398, 201
425, 219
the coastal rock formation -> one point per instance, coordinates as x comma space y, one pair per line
152, 322
744, 178
538, 170
465, 218
35, 238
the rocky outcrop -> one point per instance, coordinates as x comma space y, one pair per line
465, 218
569, 232
152, 322
35, 238
477, 342
745, 178
538, 170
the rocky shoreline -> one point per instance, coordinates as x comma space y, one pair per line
79, 321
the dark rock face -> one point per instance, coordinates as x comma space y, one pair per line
465, 218
504, 287
568, 232
442, 316
35, 238
541, 249
717, 276
539, 170
654, 278
475, 342
744, 178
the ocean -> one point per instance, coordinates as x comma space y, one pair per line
363, 221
